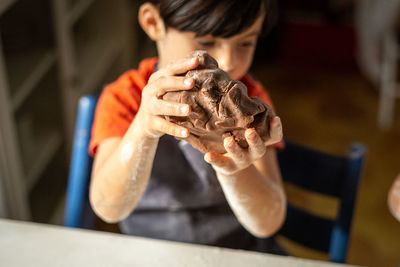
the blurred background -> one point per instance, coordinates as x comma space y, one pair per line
330, 67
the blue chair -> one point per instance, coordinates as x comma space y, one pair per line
336, 176
77, 209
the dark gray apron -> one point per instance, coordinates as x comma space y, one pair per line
184, 202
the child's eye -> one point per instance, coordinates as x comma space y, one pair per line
247, 44
206, 44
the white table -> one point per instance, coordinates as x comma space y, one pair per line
31, 244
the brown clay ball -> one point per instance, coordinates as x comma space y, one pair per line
220, 107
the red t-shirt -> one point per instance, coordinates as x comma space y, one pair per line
120, 101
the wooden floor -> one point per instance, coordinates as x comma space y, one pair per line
328, 110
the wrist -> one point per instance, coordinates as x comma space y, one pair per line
222, 172
141, 125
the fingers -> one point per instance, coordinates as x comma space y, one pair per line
238, 158
176, 67
171, 83
152, 106
234, 160
257, 147
217, 159
238, 154
221, 163
181, 65
275, 132
163, 126
168, 84
156, 106
162, 107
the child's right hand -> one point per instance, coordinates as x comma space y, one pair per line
153, 107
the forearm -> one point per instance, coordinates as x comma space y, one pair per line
258, 201
122, 167
121, 179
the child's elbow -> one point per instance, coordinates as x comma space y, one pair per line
270, 226
107, 217
267, 231
108, 214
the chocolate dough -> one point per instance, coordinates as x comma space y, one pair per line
220, 107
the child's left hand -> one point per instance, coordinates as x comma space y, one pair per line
237, 158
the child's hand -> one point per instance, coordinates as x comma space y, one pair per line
237, 158
153, 107
394, 198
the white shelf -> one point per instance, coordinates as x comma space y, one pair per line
32, 79
46, 150
77, 10
5, 4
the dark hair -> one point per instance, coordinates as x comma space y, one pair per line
220, 18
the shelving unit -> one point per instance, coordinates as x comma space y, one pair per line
92, 36
26, 56
39, 127
76, 10
5, 4
25, 88
15, 197
51, 53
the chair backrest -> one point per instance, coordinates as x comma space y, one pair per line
332, 175
77, 205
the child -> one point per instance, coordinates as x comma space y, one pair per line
159, 187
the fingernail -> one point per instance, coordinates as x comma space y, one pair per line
253, 136
188, 82
193, 60
185, 133
230, 142
207, 158
278, 121
185, 109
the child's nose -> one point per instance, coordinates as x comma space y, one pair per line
226, 59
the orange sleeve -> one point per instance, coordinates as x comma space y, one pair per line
255, 89
119, 103
115, 110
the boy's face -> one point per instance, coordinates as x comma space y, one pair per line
234, 54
